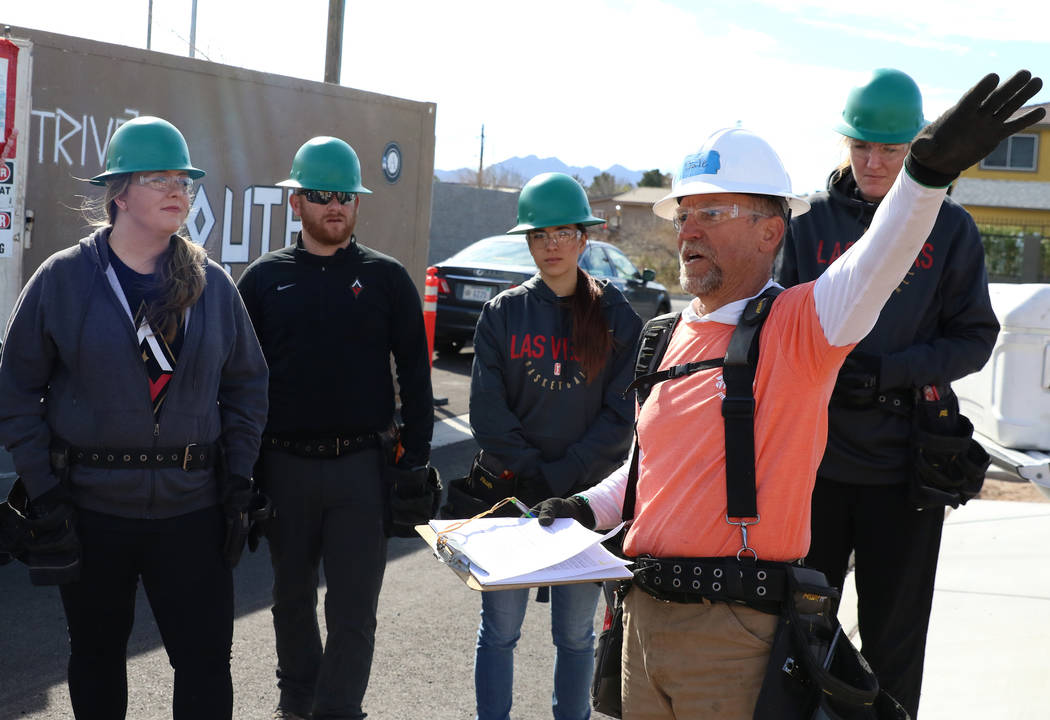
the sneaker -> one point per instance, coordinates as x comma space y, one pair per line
282, 714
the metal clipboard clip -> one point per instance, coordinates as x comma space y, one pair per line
450, 553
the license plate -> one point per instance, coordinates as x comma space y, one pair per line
479, 293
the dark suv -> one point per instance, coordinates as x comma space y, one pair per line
479, 272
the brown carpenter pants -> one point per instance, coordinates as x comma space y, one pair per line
692, 661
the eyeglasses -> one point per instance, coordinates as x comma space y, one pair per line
167, 183
323, 197
542, 238
711, 216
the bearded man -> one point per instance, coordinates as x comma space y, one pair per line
329, 312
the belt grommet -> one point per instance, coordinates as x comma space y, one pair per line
657, 580
718, 572
320, 448
761, 574
109, 458
160, 458
676, 582
174, 457
697, 570
760, 591
696, 584
677, 569
716, 586
94, 456
143, 457
345, 443
127, 458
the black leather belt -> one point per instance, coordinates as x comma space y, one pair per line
323, 447
195, 456
758, 584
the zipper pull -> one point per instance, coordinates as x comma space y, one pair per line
156, 429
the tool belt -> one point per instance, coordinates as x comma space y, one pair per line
195, 456
321, 447
757, 584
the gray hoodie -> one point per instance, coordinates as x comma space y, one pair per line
71, 368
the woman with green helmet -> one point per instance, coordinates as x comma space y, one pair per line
936, 327
552, 358
132, 399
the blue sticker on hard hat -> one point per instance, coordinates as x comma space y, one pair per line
705, 162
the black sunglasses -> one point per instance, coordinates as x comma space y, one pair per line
323, 197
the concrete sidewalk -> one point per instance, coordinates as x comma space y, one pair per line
989, 641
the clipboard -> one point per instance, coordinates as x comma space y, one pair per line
430, 537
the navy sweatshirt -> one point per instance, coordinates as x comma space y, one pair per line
937, 326
530, 405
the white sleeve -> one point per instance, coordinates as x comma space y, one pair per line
851, 293
606, 498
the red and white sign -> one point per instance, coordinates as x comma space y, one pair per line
5, 220
8, 73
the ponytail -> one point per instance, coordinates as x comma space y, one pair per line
590, 332
181, 280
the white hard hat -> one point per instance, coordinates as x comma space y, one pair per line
731, 161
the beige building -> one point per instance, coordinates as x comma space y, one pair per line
630, 224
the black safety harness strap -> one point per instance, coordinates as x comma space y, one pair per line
738, 406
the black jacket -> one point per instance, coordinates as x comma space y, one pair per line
328, 326
531, 407
937, 326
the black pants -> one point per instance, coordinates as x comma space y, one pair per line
190, 591
328, 509
896, 549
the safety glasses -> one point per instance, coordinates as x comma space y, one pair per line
323, 197
167, 183
711, 216
541, 238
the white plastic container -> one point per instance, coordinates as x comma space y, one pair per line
1008, 400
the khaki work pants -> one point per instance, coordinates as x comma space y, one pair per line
692, 661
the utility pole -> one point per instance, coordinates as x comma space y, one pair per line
193, 29
334, 51
481, 158
149, 24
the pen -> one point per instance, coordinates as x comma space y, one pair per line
521, 506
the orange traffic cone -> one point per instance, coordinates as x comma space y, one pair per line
430, 306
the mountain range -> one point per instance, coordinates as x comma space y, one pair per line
530, 166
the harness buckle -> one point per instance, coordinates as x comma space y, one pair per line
738, 408
187, 456
743, 524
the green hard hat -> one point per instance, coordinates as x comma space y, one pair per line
326, 163
550, 200
885, 109
143, 144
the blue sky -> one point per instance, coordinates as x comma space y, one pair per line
599, 82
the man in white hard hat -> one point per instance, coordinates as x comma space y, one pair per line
699, 620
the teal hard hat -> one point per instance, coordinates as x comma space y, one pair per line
326, 163
885, 109
550, 200
144, 144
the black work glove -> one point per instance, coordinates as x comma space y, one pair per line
415, 494
237, 501
858, 382
574, 507
971, 129
52, 547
